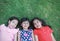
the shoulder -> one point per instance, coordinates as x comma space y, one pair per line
35, 30
30, 30
21, 31
14, 31
47, 27
2, 26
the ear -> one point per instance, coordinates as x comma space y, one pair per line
8, 21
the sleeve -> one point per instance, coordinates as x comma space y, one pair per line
1, 26
35, 32
49, 29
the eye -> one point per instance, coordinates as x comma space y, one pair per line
27, 23
37, 21
13, 21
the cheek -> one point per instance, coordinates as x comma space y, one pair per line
40, 24
13, 25
23, 25
10, 24
35, 25
28, 24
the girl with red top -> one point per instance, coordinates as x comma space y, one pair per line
42, 32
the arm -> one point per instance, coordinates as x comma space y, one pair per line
19, 36
36, 38
53, 39
15, 37
33, 35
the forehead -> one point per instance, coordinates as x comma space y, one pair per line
14, 20
36, 20
26, 22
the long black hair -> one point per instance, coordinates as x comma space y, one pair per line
13, 18
42, 21
23, 20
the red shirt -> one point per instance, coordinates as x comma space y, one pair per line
44, 33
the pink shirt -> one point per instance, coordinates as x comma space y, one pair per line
7, 34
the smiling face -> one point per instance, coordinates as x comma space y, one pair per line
12, 24
37, 23
25, 24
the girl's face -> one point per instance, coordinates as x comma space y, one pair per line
25, 24
37, 23
12, 24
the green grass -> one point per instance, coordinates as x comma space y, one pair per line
49, 10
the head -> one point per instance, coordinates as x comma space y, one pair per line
25, 23
13, 22
38, 23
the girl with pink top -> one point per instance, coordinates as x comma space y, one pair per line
8, 33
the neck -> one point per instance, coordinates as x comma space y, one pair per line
25, 29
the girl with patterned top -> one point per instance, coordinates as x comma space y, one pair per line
26, 34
